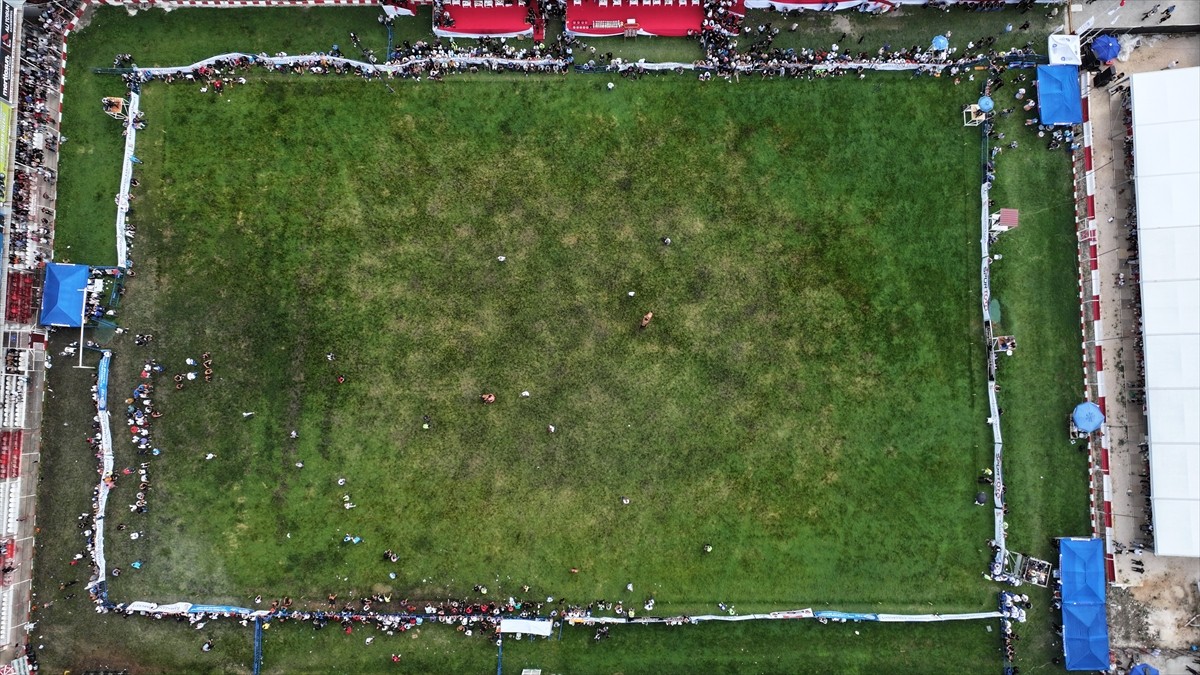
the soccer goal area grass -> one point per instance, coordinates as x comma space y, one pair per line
363, 265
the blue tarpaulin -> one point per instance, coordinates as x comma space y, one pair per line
1059, 99
848, 616
1143, 669
1085, 624
218, 609
63, 297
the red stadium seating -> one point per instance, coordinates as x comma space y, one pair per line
20, 297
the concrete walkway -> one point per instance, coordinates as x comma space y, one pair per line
21, 336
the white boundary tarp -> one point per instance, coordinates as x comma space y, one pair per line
527, 626
1166, 148
933, 618
322, 60
126, 178
442, 32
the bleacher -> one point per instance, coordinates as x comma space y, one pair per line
6, 611
17, 360
10, 501
13, 389
21, 303
10, 453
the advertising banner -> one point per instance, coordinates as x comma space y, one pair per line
6, 120
8, 23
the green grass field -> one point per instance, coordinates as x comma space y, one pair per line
808, 398
805, 386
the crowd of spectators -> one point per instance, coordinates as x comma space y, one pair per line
722, 30
1013, 607
391, 616
419, 58
721, 16
416, 60
723, 55
31, 231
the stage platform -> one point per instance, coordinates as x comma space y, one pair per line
630, 18
487, 18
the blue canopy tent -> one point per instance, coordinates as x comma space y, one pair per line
1087, 649
1087, 417
1059, 99
1143, 669
63, 295
1085, 623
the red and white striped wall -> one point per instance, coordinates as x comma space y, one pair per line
171, 4
1100, 479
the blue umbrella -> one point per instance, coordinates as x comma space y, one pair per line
1106, 48
1143, 669
940, 42
986, 104
1087, 417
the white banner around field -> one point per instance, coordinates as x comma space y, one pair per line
106, 469
998, 531
393, 11
932, 618
325, 61
527, 626
479, 36
126, 177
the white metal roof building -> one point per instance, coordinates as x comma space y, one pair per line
1166, 147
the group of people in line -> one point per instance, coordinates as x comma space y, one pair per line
727, 58
1013, 607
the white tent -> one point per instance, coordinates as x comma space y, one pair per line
1166, 147
1064, 50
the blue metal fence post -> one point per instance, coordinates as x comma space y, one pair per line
258, 633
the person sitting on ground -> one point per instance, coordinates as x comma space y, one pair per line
488, 399
647, 319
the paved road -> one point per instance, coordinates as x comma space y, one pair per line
1127, 14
